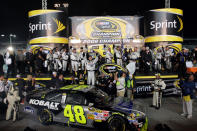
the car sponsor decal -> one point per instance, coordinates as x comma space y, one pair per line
49, 105
90, 116
78, 115
28, 109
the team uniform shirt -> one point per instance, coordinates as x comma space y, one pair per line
120, 85
159, 84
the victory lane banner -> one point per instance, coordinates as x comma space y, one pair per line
47, 26
163, 25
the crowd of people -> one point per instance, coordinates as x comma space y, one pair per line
67, 60
84, 66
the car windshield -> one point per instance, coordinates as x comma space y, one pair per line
100, 97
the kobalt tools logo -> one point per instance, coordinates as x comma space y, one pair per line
50, 105
46, 26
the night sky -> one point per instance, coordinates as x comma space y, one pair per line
14, 17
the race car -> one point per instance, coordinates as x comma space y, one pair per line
87, 106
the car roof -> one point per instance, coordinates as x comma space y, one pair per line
82, 88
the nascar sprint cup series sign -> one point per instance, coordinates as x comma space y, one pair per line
47, 26
105, 30
163, 25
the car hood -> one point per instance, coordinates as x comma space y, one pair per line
122, 104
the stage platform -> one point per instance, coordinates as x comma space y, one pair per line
138, 76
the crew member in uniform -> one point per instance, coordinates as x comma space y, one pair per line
90, 69
109, 55
13, 99
158, 86
74, 57
65, 56
167, 59
82, 57
49, 61
118, 56
57, 62
158, 57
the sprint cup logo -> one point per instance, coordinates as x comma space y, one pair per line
105, 28
46, 26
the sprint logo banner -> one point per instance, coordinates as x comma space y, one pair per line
47, 26
163, 25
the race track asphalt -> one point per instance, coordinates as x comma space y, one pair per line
168, 114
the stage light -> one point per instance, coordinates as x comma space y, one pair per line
10, 48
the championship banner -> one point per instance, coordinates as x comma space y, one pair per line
163, 25
105, 30
47, 26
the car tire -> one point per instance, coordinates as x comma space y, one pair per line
45, 116
116, 123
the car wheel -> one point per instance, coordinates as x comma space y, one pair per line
45, 116
117, 123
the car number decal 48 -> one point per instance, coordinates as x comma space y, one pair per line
78, 115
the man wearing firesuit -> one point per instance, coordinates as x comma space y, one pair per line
56, 59
167, 59
109, 55
120, 83
13, 99
74, 57
49, 61
158, 57
158, 86
90, 69
65, 56
82, 57
118, 55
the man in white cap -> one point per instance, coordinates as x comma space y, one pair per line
158, 85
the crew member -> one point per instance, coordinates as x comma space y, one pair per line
167, 59
60, 81
82, 57
49, 61
29, 58
13, 99
57, 62
1, 64
39, 61
158, 58
131, 87
74, 57
158, 85
90, 69
118, 56
188, 87
120, 83
131, 67
2, 94
109, 56
65, 56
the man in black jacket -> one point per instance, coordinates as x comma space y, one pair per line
1, 64
29, 59
60, 81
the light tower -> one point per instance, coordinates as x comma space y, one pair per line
44, 4
167, 3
